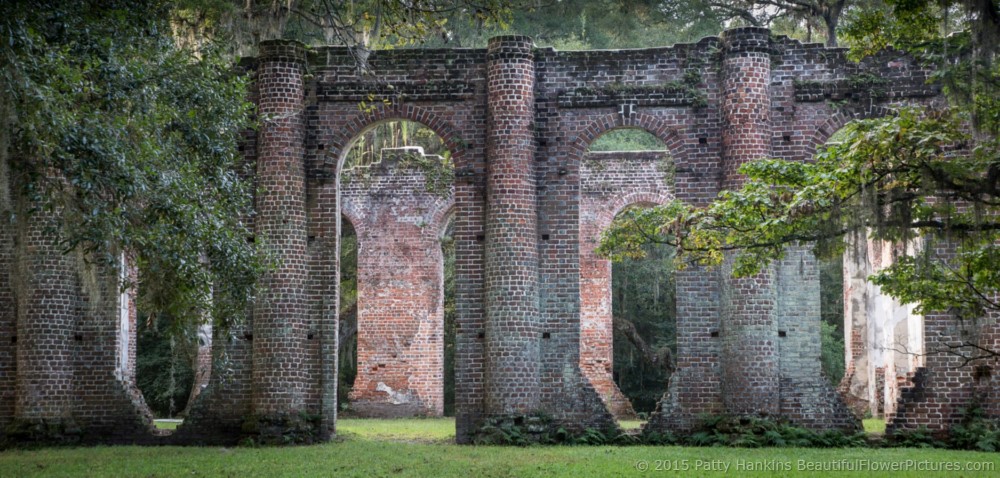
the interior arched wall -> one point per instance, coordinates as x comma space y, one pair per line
610, 182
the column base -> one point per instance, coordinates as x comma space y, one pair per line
24, 433
284, 429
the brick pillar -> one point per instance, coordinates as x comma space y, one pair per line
750, 384
855, 386
8, 311
512, 331
48, 302
279, 318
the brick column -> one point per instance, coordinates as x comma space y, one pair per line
279, 318
512, 331
749, 332
48, 302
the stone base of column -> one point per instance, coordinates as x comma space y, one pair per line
284, 429
29, 433
535, 428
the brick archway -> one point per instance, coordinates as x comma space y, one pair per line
649, 123
400, 316
518, 121
837, 121
342, 140
596, 321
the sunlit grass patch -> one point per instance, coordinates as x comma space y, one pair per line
167, 424
631, 424
399, 429
874, 425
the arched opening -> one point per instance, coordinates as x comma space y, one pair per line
628, 312
872, 345
347, 346
644, 311
396, 179
448, 279
166, 354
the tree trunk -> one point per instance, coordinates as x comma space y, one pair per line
661, 358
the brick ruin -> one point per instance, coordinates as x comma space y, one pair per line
532, 334
399, 220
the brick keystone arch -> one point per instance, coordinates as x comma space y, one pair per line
596, 321
343, 139
840, 119
644, 199
651, 124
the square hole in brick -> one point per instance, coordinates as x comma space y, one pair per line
714, 333
480, 237
545, 237
546, 335
782, 333
481, 335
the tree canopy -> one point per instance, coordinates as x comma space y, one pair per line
134, 142
932, 174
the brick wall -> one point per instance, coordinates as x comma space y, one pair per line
610, 182
518, 121
399, 220
8, 305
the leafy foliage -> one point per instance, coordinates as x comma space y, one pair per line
133, 140
591, 24
900, 178
450, 315
644, 293
361, 25
976, 432
347, 347
832, 352
163, 366
627, 139
831, 289
750, 432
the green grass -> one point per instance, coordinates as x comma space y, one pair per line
371, 448
427, 430
165, 424
631, 424
874, 425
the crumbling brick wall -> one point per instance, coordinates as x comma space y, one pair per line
884, 338
399, 219
610, 183
518, 121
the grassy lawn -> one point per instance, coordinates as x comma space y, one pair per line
166, 424
875, 425
631, 424
375, 448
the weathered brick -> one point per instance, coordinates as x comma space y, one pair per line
518, 121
